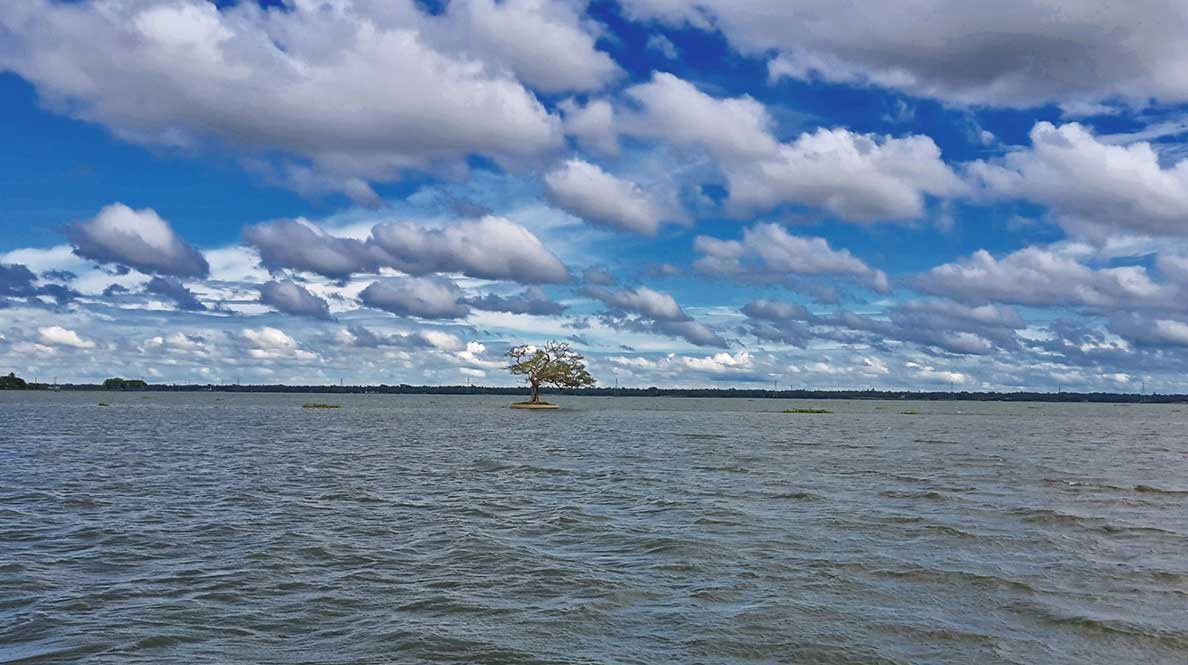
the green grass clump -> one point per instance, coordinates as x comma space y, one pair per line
315, 405
807, 411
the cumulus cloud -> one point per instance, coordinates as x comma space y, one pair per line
300, 245
17, 281
137, 239
1042, 277
586, 191
768, 253
1011, 53
270, 343
1090, 186
593, 125
547, 44
173, 289
674, 110
857, 177
641, 300
487, 248
421, 297
295, 299
530, 301
739, 366
59, 336
939, 324
646, 310
598, 276
307, 79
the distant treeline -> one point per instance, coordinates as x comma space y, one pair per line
751, 393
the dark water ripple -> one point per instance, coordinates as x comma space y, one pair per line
219, 528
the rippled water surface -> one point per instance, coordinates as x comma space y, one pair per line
201, 528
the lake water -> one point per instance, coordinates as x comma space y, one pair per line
219, 528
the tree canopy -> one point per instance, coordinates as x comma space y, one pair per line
124, 384
553, 364
12, 382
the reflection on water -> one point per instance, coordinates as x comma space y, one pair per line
242, 528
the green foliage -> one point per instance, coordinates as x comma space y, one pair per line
554, 364
807, 411
318, 405
12, 382
124, 384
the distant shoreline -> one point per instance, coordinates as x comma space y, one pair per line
746, 393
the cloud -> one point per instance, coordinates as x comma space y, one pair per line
17, 281
1011, 53
1042, 277
174, 290
592, 124
59, 336
641, 300
487, 248
270, 343
768, 253
137, 239
674, 110
545, 43
646, 310
586, 191
1091, 187
940, 324
421, 297
599, 276
857, 177
739, 366
354, 90
294, 299
663, 45
300, 245
531, 301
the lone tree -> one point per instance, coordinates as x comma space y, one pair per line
554, 364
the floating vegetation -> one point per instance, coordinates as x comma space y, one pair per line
909, 413
316, 405
807, 411
104, 404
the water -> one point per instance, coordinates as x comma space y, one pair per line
202, 528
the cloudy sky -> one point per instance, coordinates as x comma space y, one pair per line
807, 193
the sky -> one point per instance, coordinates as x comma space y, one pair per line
746, 193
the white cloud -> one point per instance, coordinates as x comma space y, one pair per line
138, 239
1090, 186
422, 297
59, 336
1008, 53
585, 190
857, 177
767, 252
592, 124
1042, 277
271, 344
674, 110
488, 248
546, 43
352, 87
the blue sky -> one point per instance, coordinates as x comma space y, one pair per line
693, 193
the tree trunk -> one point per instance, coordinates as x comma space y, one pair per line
535, 392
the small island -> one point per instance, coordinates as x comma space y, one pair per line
554, 364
